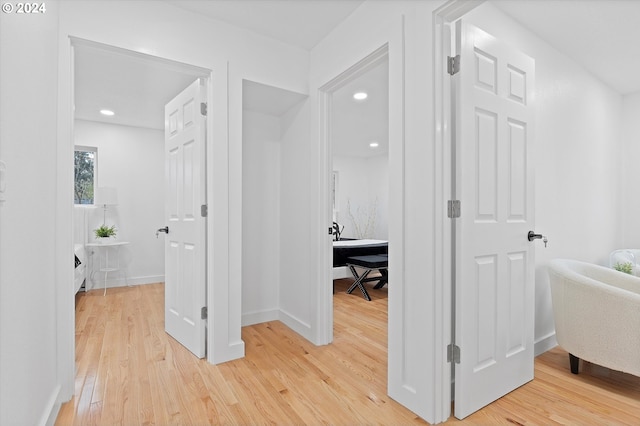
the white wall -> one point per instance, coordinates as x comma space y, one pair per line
274, 225
363, 195
261, 236
630, 183
577, 160
296, 297
160, 29
29, 382
130, 159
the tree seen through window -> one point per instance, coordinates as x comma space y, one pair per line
84, 179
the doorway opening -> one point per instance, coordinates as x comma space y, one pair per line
360, 178
354, 130
130, 142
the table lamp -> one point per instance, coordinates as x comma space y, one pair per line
105, 196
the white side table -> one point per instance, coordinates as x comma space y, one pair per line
107, 267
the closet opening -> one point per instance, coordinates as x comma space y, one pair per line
274, 126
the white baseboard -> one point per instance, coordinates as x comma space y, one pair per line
51, 410
297, 325
258, 317
231, 352
546, 343
120, 281
340, 272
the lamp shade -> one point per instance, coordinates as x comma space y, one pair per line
106, 196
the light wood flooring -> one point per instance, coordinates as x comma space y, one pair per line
129, 372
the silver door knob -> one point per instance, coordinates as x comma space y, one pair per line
533, 236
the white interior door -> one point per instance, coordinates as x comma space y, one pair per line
185, 242
494, 183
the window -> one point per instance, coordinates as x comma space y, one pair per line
85, 159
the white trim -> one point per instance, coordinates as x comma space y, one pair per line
119, 279
144, 280
443, 17
294, 323
544, 344
340, 272
224, 297
443, 237
258, 317
324, 303
65, 303
169, 64
52, 408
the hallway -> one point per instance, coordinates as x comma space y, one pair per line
130, 372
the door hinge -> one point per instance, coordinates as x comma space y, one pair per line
453, 209
453, 64
331, 230
204, 210
204, 313
453, 353
203, 108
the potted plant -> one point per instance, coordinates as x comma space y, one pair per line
104, 233
626, 267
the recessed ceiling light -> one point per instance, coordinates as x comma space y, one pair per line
107, 112
374, 145
360, 96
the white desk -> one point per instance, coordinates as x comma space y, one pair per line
107, 267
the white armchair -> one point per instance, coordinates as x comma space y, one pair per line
597, 314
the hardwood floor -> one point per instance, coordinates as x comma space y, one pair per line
130, 372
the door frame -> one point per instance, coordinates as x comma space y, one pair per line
444, 19
325, 106
216, 81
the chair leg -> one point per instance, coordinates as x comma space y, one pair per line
358, 282
574, 362
384, 279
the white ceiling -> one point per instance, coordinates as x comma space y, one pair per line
134, 86
301, 23
268, 99
355, 124
602, 35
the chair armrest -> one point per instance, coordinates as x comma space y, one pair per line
596, 321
